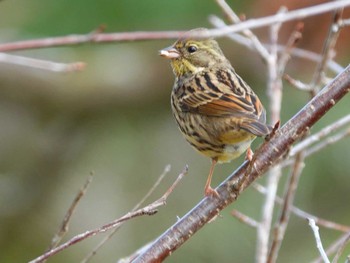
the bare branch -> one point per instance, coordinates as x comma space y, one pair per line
334, 247
274, 91
341, 249
150, 209
327, 142
292, 41
152, 35
65, 223
319, 135
234, 19
156, 184
41, 64
137, 206
297, 83
328, 51
305, 215
296, 52
290, 192
315, 228
321, 145
244, 218
266, 155
344, 22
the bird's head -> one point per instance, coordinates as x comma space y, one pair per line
191, 55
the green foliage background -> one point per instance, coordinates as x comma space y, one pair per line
114, 119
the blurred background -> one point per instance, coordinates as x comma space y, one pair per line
114, 119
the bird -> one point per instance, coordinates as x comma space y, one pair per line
215, 109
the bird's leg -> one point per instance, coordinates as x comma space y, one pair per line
251, 158
249, 154
208, 191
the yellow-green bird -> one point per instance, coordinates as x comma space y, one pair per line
215, 109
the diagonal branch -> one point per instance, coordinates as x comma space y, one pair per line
150, 209
328, 51
137, 206
281, 226
266, 156
305, 215
319, 245
334, 247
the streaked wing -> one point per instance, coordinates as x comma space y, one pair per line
222, 93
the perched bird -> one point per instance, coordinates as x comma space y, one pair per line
216, 111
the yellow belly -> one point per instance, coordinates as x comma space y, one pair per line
236, 143
230, 145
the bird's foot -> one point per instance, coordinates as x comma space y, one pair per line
249, 154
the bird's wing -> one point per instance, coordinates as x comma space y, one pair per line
223, 93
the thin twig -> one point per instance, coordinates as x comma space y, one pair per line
234, 19
297, 83
244, 218
156, 184
137, 206
152, 35
164, 197
274, 91
41, 64
177, 181
307, 142
315, 229
305, 215
328, 51
344, 22
288, 200
274, 80
334, 247
296, 52
65, 223
330, 140
291, 43
341, 249
321, 145
150, 209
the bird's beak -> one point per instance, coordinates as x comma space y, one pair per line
169, 52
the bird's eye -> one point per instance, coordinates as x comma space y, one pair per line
192, 49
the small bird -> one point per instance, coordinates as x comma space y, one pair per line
215, 109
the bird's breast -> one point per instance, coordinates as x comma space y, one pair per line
213, 137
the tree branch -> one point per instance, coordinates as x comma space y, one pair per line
65, 223
281, 226
150, 209
41, 64
315, 229
305, 215
137, 206
296, 52
264, 159
96, 37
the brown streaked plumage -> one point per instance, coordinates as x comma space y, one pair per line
216, 111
